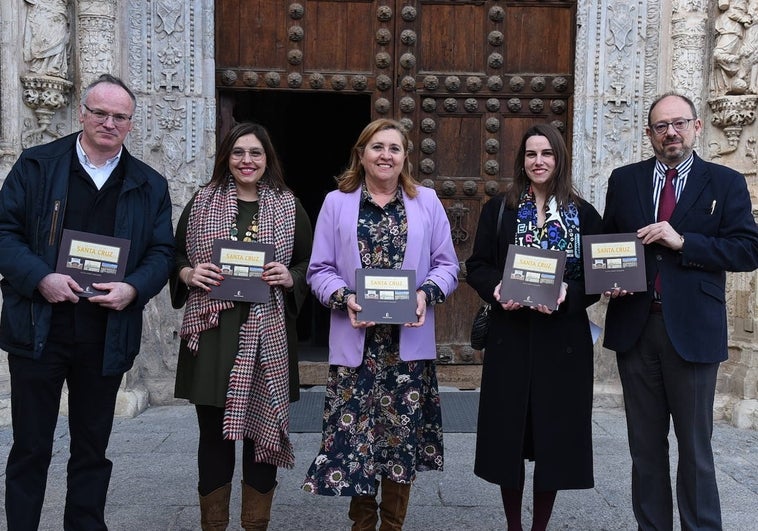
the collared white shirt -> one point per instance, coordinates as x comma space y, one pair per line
659, 179
98, 174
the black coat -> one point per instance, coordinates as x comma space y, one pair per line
538, 372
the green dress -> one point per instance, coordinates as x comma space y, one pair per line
203, 377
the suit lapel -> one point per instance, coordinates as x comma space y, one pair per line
696, 181
644, 187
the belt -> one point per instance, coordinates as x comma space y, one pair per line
656, 307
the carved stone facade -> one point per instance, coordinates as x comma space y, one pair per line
627, 53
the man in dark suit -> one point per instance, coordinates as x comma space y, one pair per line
694, 219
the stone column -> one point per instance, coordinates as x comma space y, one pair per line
169, 58
618, 51
96, 36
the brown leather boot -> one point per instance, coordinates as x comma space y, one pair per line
214, 509
363, 513
394, 504
256, 508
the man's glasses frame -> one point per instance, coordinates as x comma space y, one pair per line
119, 120
679, 125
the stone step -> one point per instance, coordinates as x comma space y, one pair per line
464, 377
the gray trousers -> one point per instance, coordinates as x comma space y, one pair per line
658, 386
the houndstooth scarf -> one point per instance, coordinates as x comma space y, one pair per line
257, 400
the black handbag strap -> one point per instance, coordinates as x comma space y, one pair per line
500, 216
499, 223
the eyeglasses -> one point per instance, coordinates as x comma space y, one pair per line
255, 154
101, 116
680, 124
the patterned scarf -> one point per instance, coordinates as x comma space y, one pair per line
257, 400
560, 232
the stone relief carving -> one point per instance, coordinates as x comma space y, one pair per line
96, 35
44, 95
688, 39
731, 114
734, 80
730, 52
620, 25
162, 48
45, 87
169, 27
169, 15
46, 37
621, 34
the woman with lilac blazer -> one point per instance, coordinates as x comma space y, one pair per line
335, 257
382, 420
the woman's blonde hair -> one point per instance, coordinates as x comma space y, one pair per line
350, 179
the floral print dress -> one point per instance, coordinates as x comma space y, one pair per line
382, 418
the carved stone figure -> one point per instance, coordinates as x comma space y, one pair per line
750, 49
729, 73
46, 37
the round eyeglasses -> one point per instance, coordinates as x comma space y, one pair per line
679, 125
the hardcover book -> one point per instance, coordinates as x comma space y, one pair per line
386, 295
90, 258
241, 264
532, 276
613, 261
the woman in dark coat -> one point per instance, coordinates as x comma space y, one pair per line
537, 377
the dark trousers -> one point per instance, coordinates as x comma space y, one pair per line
216, 456
658, 386
35, 397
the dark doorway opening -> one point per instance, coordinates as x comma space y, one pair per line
313, 134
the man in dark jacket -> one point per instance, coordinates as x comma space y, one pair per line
84, 182
695, 220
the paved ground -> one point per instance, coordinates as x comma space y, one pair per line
154, 482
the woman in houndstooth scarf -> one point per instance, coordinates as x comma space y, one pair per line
234, 356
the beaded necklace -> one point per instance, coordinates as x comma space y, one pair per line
251, 234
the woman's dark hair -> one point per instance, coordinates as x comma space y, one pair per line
273, 175
560, 184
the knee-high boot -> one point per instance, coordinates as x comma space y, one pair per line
363, 512
256, 508
394, 504
214, 509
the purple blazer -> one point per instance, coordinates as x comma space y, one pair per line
334, 259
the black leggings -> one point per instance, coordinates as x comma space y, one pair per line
216, 456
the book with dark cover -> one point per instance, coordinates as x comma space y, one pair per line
241, 264
90, 258
613, 261
532, 276
386, 295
